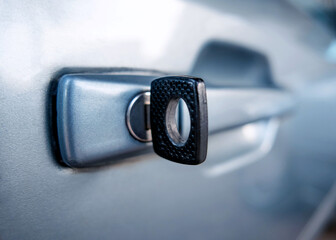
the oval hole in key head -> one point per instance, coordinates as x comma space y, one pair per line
178, 130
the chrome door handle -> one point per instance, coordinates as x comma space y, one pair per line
233, 107
91, 115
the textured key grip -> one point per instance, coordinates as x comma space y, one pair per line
167, 142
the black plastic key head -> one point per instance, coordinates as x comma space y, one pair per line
167, 141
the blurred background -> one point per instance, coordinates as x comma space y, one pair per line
269, 178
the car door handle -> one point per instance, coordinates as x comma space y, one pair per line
233, 107
91, 109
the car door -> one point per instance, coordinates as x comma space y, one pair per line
270, 165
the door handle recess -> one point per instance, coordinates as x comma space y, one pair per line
91, 113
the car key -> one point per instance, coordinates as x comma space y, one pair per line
167, 142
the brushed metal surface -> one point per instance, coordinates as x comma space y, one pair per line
91, 117
92, 110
